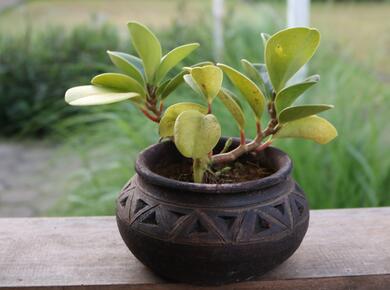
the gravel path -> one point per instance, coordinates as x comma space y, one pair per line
32, 178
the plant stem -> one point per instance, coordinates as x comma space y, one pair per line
150, 116
209, 108
272, 126
255, 145
242, 137
237, 152
263, 146
198, 170
151, 105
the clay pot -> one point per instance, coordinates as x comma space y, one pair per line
211, 234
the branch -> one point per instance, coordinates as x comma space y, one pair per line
254, 145
150, 116
237, 152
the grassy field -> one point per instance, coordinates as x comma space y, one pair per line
352, 171
360, 28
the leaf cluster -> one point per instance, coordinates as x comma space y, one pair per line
193, 128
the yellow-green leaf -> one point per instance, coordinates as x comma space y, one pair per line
254, 74
122, 61
293, 113
196, 134
167, 122
287, 51
233, 107
147, 46
92, 95
192, 84
288, 95
313, 128
208, 79
248, 89
118, 82
172, 58
177, 80
265, 37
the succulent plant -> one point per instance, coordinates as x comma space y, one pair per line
191, 126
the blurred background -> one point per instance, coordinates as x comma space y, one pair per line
58, 160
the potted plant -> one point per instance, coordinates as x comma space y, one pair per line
202, 208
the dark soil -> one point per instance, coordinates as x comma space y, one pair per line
246, 168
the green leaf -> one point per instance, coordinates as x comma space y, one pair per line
178, 80
262, 69
148, 48
167, 122
253, 74
92, 95
196, 134
173, 83
287, 51
265, 37
288, 95
313, 128
118, 82
248, 89
233, 107
162, 87
192, 84
208, 79
122, 61
298, 112
172, 58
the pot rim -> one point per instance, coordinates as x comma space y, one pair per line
278, 176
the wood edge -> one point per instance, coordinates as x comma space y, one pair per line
378, 282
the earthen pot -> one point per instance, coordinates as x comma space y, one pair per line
211, 234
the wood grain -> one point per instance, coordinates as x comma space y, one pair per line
343, 249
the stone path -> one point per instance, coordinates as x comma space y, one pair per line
32, 178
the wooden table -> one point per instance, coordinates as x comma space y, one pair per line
343, 249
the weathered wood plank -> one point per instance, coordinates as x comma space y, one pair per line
343, 249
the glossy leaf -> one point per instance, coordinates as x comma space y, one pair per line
298, 112
253, 74
167, 122
124, 62
172, 58
262, 69
92, 95
162, 87
287, 51
288, 95
196, 134
248, 89
208, 79
118, 82
233, 107
148, 48
192, 84
265, 37
178, 80
313, 128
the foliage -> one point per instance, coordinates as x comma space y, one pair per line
194, 132
36, 68
352, 171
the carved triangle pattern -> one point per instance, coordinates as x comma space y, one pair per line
246, 224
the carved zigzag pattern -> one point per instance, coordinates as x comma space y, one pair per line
211, 226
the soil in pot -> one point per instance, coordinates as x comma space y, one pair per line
245, 168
